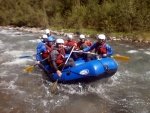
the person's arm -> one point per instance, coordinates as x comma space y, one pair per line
53, 56
38, 54
54, 65
56, 68
90, 47
40, 44
110, 51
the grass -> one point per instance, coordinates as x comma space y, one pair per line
93, 33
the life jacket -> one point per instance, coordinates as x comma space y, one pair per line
101, 49
70, 43
88, 43
81, 45
48, 50
60, 56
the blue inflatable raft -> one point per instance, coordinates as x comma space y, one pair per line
84, 71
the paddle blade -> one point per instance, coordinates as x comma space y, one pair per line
30, 68
53, 87
121, 58
25, 56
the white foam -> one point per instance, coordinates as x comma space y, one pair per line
1, 44
147, 52
4, 74
14, 33
8, 85
11, 85
148, 72
122, 44
18, 53
11, 32
3, 83
132, 51
17, 61
3, 31
141, 49
73, 89
35, 41
99, 89
128, 46
45, 102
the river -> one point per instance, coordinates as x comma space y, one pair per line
128, 91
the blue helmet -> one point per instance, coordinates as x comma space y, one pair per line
50, 39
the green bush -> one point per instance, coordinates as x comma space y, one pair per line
101, 15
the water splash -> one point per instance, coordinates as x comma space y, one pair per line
147, 52
17, 62
1, 44
35, 41
132, 51
16, 53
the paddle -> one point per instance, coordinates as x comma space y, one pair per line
121, 58
54, 85
26, 56
30, 68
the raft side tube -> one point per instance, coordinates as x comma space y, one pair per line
92, 68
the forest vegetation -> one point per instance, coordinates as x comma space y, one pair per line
109, 16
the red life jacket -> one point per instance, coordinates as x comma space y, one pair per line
88, 43
70, 43
79, 44
61, 56
101, 49
48, 50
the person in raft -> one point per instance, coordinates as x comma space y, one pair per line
69, 43
81, 45
101, 48
57, 58
44, 51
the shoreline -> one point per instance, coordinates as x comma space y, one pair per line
40, 30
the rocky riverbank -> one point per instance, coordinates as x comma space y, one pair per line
42, 31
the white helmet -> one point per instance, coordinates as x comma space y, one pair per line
70, 36
60, 41
102, 37
44, 36
82, 36
47, 31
